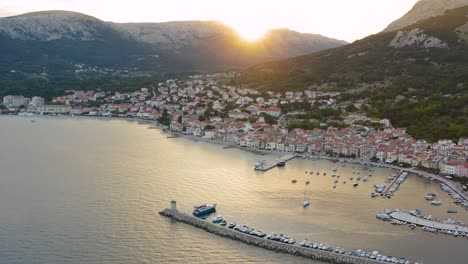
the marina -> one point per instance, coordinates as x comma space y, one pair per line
283, 243
414, 218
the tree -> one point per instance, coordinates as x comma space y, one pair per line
269, 119
201, 118
351, 108
209, 127
252, 119
179, 119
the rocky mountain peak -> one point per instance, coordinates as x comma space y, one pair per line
51, 25
424, 9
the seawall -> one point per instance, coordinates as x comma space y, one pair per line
275, 246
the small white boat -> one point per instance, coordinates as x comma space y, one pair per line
217, 219
436, 202
305, 203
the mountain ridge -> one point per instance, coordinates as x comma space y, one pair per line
173, 46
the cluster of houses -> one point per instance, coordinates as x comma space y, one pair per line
202, 106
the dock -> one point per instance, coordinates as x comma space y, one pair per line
395, 184
406, 217
271, 164
315, 254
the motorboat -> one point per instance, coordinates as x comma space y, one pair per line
217, 219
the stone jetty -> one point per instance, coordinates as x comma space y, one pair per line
275, 246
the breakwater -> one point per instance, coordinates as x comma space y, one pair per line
275, 246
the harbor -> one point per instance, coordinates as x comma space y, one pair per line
282, 243
132, 182
414, 219
267, 165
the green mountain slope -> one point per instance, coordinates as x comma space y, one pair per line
426, 63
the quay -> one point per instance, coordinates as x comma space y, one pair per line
274, 163
329, 257
406, 217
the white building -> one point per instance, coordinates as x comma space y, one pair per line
15, 101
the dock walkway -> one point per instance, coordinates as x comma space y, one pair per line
274, 163
402, 216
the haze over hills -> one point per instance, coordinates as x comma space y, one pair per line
173, 46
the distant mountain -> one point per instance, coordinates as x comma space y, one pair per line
45, 38
425, 9
426, 62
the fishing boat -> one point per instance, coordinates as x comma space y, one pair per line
355, 184
307, 182
324, 174
334, 186
373, 195
335, 169
452, 211
223, 223
294, 181
318, 172
336, 181
364, 179
281, 163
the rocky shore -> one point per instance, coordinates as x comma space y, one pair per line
329, 257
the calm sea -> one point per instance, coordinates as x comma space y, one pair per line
80, 190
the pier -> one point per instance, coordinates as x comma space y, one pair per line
275, 246
406, 217
394, 186
274, 163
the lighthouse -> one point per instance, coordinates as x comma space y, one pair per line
173, 205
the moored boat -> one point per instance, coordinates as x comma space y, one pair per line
281, 163
217, 219
355, 184
436, 203
204, 210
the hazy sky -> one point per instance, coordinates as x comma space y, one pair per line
342, 19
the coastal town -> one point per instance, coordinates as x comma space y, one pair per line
204, 106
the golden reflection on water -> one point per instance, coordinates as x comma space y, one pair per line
97, 185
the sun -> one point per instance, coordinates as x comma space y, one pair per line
250, 32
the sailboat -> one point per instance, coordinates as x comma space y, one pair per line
306, 202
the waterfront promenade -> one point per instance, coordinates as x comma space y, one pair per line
403, 216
